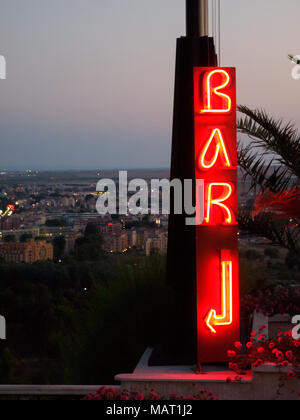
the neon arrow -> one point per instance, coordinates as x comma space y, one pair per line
213, 320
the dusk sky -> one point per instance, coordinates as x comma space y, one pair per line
90, 82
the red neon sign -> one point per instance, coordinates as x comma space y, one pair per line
215, 99
220, 150
213, 320
219, 202
216, 164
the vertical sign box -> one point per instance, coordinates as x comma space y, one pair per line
217, 226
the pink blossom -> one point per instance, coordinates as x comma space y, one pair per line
233, 366
102, 390
271, 346
188, 398
261, 337
258, 363
262, 328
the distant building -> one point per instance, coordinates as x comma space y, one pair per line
53, 232
17, 233
70, 242
28, 252
133, 237
157, 243
140, 238
10, 223
110, 227
67, 202
116, 243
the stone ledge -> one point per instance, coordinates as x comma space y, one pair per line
260, 384
272, 368
280, 318
144, 372
45, 390
217, 377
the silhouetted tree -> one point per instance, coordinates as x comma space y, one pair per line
55, 223
10, 238
25, 237
89, 247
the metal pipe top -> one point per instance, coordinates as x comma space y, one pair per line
196, 18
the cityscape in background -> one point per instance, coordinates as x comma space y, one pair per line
156, 303
51, 205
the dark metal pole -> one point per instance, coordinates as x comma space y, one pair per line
196, 18
178, 345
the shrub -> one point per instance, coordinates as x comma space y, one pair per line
276, 300
123, 320
114, 394
283, 351
251, 278
272, 253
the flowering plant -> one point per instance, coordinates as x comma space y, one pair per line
284, 352
114, 394
283, 204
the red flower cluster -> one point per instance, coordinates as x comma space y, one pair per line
278, 300
284, 351
114, 394
282, 205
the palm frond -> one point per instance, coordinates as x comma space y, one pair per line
264, 225
262, 175
271, 161
273, 137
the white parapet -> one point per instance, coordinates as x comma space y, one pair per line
263, 383
183, 381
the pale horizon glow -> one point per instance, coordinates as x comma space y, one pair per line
90, 82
